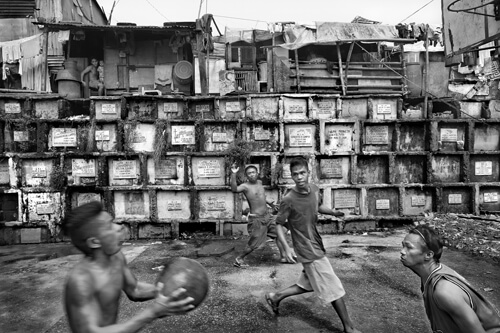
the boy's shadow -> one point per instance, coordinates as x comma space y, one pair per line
291, 308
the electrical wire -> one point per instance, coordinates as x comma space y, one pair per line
242, 19
416, 11
166, 18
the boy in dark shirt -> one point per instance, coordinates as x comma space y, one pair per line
299, 209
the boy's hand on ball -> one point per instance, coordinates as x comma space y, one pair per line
177, 303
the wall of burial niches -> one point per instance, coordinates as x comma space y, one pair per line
159, 164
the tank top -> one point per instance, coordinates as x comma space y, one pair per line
441, 321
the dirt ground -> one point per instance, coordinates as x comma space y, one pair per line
382, 295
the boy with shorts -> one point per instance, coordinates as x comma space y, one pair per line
299, 209
260, 218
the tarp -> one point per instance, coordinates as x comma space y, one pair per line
332, 32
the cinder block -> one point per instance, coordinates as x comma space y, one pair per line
31, 235
263, 108
154, 231
209, 171
300, 138
237, 229
295, 108
131, 204
359, 226
217, 137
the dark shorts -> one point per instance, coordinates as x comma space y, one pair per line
261, 227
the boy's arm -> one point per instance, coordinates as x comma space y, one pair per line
453, 300
289, 254
136, 291
234, 186
323, 209
84, 316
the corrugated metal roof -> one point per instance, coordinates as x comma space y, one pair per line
75, 26
16, 8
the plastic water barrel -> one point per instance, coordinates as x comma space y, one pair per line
183, 72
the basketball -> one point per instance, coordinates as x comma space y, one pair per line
188, 274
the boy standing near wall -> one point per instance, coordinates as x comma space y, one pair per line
300, 208
262, 222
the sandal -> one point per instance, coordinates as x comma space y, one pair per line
273, 305
239, 263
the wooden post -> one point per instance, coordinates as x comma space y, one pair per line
426, 70
349, 54
341, 72
272, 88
297, 70
45, 68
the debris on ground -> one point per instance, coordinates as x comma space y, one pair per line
477, 235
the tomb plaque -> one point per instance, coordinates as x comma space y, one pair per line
44, 208
209, 169
64, 137
170, 107
183, 135
174, 205
261, 134
102, 135
449, 134
203, 108
418, 200
166, 169
483, 168
83, 168
300, 137
21, 136
219, 137
326, 107
134, 204
377, 135
455, 199
490, 197
12, 108
108, 108
233, 106
295, 107
340, 138
39, 171
384, 109
124, 169
215, 203
382, 204
331, 168
344, 198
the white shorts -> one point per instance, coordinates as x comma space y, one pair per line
318, 276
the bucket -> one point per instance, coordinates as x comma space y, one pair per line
183, 72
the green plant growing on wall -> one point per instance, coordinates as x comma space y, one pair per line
58, 178
238, 152
87, 136
160, 140
276, 172
129, 134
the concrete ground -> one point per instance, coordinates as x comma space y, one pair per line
382, 295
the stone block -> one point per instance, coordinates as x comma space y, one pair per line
239, 229
359, 226
31, 235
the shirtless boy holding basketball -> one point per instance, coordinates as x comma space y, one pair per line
94, 286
